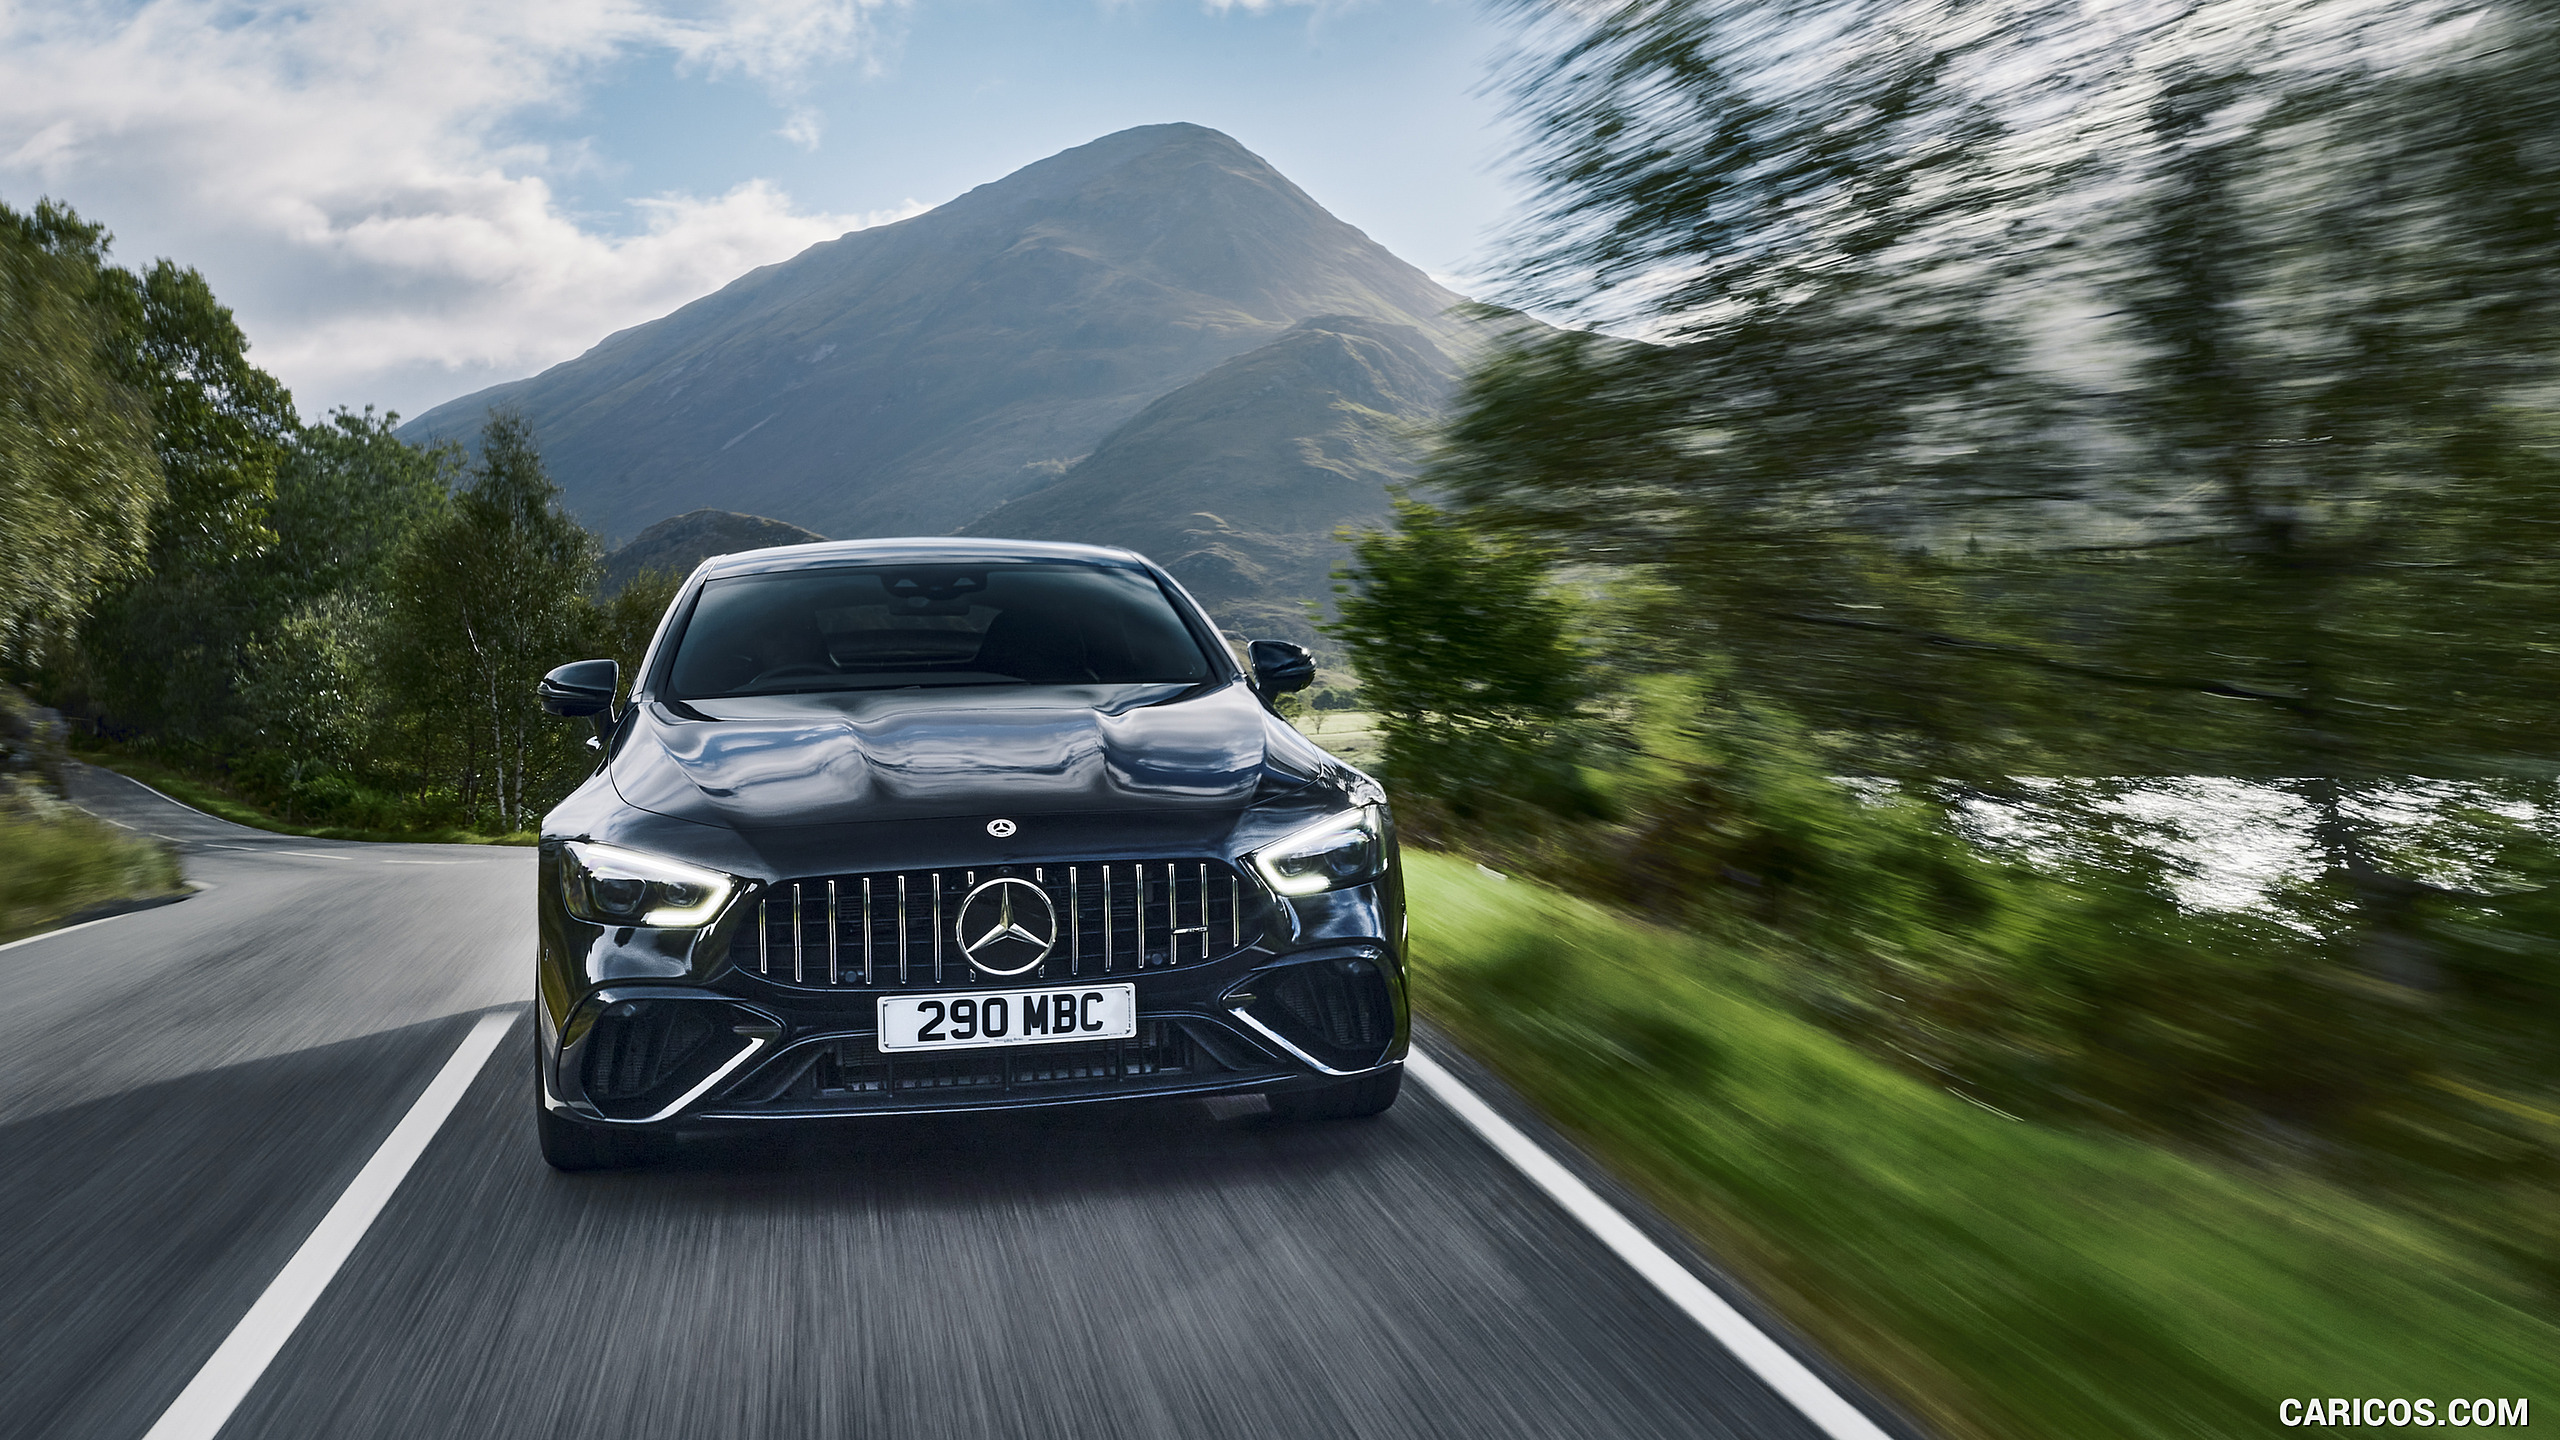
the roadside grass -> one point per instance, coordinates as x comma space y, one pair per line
1994, 1278
214, 798
56, 862
1351, 734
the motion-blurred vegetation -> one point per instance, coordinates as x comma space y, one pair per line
1986, 422
1999, 1278
57, 862
319, 620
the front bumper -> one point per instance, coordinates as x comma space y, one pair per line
739, 1048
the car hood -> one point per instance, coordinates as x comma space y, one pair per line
904, 754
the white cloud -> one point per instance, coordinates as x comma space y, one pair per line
804, 128
344, 174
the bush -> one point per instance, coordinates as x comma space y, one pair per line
55, 862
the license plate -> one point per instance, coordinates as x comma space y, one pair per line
1050, 1015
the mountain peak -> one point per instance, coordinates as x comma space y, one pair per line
907, 378
1070, 170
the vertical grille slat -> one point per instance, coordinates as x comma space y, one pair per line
1138, 915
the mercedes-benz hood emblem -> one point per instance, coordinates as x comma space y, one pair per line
1006, 926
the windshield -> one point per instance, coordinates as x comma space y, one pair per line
885, 627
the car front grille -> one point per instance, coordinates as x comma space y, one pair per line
898, 928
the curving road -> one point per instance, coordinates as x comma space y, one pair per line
185, 1091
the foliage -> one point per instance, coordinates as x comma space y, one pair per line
56, 861
482, 602
334, 807
1996, 1278
1466, 643
627, 621
2125, 388
310, 618
78, 476
158, 651
307, 687
348, 494
1997, 442
55, 864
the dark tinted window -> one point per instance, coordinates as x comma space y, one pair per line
876, 627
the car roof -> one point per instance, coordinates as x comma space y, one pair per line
923, 549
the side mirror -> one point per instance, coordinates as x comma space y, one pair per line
583, 688
1280, 668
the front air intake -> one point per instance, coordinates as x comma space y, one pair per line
643, 1050
1339, 1011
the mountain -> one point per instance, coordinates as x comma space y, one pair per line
686, 540
1238, 480
910, 378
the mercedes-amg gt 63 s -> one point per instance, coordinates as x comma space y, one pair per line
920, 826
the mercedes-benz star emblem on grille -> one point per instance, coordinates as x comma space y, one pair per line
1001, 828
1006, 926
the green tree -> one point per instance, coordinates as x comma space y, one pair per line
307, 688
482, 602
2075, 397
628, 619
79, 479
2077, 381
348, 494
159, 650
1462, 641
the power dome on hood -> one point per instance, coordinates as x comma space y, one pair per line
846, 756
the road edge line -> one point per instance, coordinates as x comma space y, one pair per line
227, 1376
1747, 1342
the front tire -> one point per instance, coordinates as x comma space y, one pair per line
569, 1145
1355, 1099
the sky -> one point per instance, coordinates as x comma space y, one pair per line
406, 200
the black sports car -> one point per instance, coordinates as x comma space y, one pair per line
904, 826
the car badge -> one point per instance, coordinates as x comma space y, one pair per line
1006, 926
1001, 828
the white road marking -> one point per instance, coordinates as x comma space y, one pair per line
1733, 1330
201, 1409
315, 855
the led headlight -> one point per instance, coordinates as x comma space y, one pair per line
613, 886
1345, 849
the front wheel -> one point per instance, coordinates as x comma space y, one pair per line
1350, 1100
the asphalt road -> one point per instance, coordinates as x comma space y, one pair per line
185, 1091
